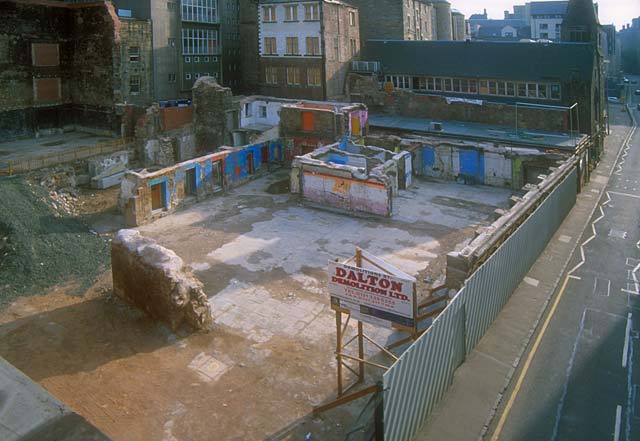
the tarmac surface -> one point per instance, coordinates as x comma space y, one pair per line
584, 380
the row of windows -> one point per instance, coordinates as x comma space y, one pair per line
545, 91
203, 59
189, 76
311, 13
202, 11
293, 76
199, 41
271, 46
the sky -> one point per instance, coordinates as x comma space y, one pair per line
618, 12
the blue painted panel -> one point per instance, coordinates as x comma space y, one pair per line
343, 144
208, 171
337, 159
471, 166
428, 157
199, 180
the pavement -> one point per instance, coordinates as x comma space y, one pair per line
30, 413
550, 394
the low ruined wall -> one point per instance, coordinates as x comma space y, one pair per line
156, 280
333, 187
474, 163
210, 174
461, 264
407, 103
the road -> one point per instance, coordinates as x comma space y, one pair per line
583, 379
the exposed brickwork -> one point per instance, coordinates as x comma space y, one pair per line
342, 44
407, 103
77, 46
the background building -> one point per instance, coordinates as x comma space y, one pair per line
630, 47
191, 39
410, 20
476, 72
306, 47
458, 25
501, 30
249, 44
543, 18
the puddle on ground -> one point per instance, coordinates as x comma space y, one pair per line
280, 187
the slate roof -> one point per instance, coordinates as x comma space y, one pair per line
483, 59
549, 8
493, 28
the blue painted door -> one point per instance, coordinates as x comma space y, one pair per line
471, 166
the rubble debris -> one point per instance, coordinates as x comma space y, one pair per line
156, 280
43, 246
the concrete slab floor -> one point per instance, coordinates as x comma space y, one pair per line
23, 148
262, 257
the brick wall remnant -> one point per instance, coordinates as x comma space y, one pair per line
156, 280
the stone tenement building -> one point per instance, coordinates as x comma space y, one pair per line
306, 47
67, 66
409, 20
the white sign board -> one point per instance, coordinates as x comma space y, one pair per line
387, 296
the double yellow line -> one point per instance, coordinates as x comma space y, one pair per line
527, 364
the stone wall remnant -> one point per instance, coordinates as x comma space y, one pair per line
215, 115
156, 280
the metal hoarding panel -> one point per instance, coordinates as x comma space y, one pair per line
490, 287
417, 381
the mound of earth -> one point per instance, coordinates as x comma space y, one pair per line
41, 247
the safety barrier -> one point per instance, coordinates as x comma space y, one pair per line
47, 160
421, 376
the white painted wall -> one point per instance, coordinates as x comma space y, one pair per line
551, 24
497, 170
273, 113
282, 29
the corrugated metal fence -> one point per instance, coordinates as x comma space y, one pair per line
417, 381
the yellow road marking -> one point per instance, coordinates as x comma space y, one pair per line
525, 369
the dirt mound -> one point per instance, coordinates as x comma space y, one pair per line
41, 247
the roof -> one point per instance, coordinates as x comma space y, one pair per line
549, 8
493, 28
477, 131
581, 12
478, 17
484, 59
